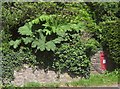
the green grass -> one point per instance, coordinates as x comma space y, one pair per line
32, 84
97, 80
51, 85
36, 84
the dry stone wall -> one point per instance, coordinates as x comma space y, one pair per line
95, 63
27, 74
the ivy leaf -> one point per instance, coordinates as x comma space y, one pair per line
25, 30
15, 43
27, 40
58, 40
50, 46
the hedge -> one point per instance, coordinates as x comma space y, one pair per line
111, 40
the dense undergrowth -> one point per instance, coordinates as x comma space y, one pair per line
58, 36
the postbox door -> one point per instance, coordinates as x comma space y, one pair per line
102, 61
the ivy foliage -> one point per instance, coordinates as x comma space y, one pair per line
14, 60
110, 40
105, 11
72, 56
107, 17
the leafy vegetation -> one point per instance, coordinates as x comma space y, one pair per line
12, 60
111, 36
106, 79
72, 56
47, 26
57, 33
107, 17
61, 35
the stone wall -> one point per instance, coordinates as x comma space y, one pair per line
28, 74
95, 63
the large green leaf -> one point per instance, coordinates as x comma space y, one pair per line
27, 40
41, 36
41, 45
50, 46
29, 24
53, 29
25, 30
46, 25
36, 21
65, 28
61, 33
45, 17
47, 32
15, 43
35, 43
58, 40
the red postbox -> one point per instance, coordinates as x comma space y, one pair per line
102, 60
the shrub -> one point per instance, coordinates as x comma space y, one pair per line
73, 56
111, 40
12, 59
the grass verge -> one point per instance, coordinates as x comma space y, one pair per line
36, 84
97, 80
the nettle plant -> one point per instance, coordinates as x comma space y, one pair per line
45, 32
